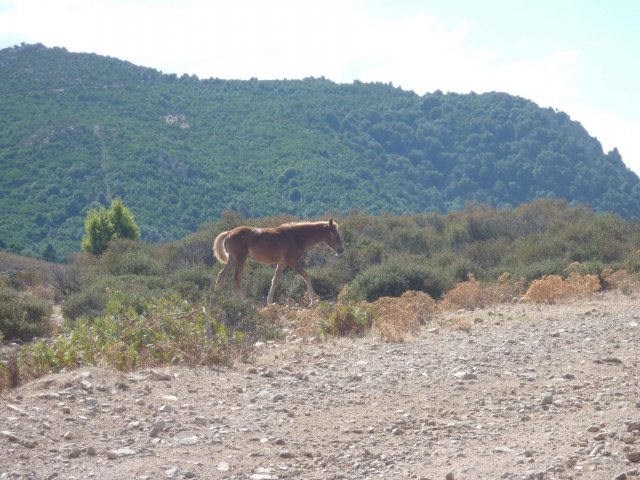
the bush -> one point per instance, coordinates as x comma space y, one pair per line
133, 291
343, 319
394, 277
22, 316
129, 257
240, 318
169, 332
191, 282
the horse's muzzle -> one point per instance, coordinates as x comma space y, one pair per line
339, 251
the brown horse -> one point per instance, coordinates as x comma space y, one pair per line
283, 245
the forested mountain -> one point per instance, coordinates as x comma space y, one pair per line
77, 130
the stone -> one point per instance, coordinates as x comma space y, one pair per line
284, 453
74, 452
120, 452
547, 399
633, 426
633, 456
193, 440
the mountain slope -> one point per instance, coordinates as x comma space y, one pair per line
77, 130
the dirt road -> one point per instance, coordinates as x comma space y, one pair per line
527, 393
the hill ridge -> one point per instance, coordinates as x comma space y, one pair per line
266, 147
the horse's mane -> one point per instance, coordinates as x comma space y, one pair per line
307, 224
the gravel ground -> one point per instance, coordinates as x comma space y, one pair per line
527, 393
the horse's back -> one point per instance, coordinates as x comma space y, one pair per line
264, 245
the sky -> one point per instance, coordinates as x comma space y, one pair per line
581, 57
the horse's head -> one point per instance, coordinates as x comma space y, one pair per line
333, 238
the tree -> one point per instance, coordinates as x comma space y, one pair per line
124, 225
105, 225
49, 253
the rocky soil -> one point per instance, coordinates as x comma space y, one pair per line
526, 393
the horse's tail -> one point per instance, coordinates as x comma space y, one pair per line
218, 248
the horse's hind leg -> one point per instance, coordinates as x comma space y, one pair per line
298, 269
222, 276
240, 261
275, 282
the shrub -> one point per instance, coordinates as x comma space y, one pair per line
552, 288
240, 317
171, 331
343, 319
397, 317
22, 316
192, 281
128, 257
464, 295
135, 291
396, 276
196, 249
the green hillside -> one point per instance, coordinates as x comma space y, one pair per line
77, 130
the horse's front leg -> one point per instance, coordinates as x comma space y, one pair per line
275, 282
298, 269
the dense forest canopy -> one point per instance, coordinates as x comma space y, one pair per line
78, 130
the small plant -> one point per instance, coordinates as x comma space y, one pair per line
341, 320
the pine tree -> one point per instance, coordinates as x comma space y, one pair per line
104, 225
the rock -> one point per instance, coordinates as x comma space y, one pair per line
502, 450
160, 376
224, 467
284, 453
193, 440
172, 472
633, 456
547, 399
277, 397
462, 375
612, 360
74, 452
15, 409
158, 426
450, 476
633, 426
10, 436
120, 452
165, 409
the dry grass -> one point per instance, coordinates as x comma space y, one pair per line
627, 283
553, 288
457, 323
398, 317
471, 294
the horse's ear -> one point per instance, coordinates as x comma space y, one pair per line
331, 222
